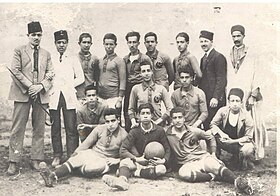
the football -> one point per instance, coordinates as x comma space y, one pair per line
154, 149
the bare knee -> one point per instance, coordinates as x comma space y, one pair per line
160, 170
185, 173
128, 163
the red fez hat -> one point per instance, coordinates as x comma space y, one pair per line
206, 34
237, 92
34, 27
61, 34
238, 28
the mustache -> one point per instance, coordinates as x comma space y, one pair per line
203, 46
236, 42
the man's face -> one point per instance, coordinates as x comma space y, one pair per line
182, 44
133, 44
61, 45
237, 38
109, 45
145, 116
85, 44
150, 43
235, 103
205, 44
185, 79
91, 97
178, 120
146, 72
112, 122
35, 38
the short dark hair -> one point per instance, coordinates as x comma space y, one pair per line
91, 87
184, 35
150, 34
83, 35
111, 111
132, 33
185, 69
177, 110
110, 36
146, 106
145, 62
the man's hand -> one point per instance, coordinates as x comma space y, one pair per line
112, 161
214, 102
250, 103
119, 103
157, 161
49, 76
141, 160
227, 141
34, 90
83, 126
134, 123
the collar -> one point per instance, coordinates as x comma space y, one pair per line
171, 130
115, 132
185, 53
94, 110
85, 57
127, 58
153, 55
145, 86
110, 57
208, 52
189, 92
32, 47
149, 130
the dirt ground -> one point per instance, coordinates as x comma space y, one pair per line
28, 182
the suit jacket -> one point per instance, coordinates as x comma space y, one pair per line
22, 67
245, 125
214, 76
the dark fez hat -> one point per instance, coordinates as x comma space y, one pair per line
34, 27
206, 34
238, 28
61, 34
237, 92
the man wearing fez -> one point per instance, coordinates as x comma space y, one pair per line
68, 75
233, 128
214, 76
89, 64
32, 73
243, 72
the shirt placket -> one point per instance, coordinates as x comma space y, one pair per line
150, 94
109, 139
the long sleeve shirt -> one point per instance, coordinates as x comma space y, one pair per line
112, 78
68, 75
138, 138
193, 102
186, 148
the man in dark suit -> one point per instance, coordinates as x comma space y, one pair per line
214, 76
32, 73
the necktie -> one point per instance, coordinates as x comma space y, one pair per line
204, 61
60, 57
35, 57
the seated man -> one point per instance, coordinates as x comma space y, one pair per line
233, 129
191, 98
90, 114
136, 164
149, 92
197, 165
93, 161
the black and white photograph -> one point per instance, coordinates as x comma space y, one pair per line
103, 98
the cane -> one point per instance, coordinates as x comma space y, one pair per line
48, 123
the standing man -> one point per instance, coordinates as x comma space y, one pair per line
163, 72
185, 59
89, 64
31, 66
69, 75
112, 78
132, 62
149, 92
214, 76
191, 98
243, 73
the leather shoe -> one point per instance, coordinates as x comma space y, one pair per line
35, 165
56, 161
12, 170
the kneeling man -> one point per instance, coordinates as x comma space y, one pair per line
197, 165
135, 163
233, 129
93, 161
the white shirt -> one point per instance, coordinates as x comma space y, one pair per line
68, 75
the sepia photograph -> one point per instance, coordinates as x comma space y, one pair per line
139, 98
